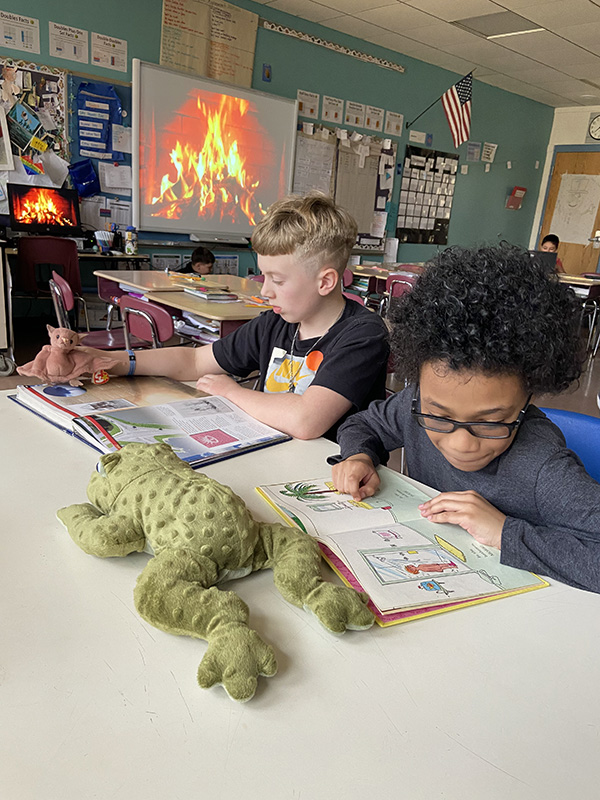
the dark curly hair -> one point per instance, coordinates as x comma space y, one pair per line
491, 310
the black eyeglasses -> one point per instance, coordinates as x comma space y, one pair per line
483, 430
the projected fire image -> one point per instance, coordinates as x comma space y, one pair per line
210, 161
37, 205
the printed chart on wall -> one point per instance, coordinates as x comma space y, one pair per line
314, 165
210, 38
426, 195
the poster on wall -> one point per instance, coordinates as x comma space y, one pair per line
576, 207
426, 196
19, 33
209, 37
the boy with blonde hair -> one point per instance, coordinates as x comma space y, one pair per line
320, 358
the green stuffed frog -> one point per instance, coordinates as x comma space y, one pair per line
201, 533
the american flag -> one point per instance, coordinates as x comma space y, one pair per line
457, 106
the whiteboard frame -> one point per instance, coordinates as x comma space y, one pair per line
220, 87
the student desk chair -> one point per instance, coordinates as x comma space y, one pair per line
39, 257
64, 302
582, 435
145, 321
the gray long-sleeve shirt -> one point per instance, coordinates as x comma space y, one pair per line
552, 505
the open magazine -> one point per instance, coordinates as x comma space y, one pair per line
149, 410
408, 566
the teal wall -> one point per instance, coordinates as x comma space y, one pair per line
519, 126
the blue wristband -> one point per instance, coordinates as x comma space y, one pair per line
131, 355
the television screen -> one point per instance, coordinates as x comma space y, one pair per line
40, 209
210, 158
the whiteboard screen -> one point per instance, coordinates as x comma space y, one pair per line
210, 157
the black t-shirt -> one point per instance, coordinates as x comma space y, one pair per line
350, 359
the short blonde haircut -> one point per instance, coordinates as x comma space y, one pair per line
311, 227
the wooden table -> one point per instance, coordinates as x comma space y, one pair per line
578, 280
166, 289
497, 701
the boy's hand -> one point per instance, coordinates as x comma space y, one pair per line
470, 511
356, 476
219, 384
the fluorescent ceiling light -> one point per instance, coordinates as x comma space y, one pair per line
515, 33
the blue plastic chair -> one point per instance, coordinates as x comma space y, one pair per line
582, 434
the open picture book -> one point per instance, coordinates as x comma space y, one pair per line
408, 566
148, 410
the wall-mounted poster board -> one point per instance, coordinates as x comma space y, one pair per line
426, 195
208, 158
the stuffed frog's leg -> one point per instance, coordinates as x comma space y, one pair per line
176, 593
296, 561
100, 535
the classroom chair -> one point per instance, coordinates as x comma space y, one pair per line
396, 285
64, 302
145, 321
590, 307
582, 435
110, 292
38, 257
258, 278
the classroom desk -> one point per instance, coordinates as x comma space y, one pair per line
497, 701
164, 288
578, 280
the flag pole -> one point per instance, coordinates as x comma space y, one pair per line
408, 124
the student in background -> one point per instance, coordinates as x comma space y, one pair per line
201, 263
481, 332
320, 358
550, 245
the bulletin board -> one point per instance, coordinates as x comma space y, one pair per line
112, 204
426, 195
355, 169
33, 111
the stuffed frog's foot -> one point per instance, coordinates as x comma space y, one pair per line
100, 535
339, 608
236, 656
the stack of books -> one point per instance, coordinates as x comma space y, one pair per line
214, 294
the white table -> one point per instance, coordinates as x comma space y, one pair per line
498, 701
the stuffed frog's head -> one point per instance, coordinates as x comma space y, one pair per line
116, 471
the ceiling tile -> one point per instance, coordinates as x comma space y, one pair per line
306, 9
591, 71
585, 35
398, 18
457, 9
445, 37
553, 15
356, 6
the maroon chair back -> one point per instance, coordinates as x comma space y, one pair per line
145, 319
257, 278
355, 297
38, 256
397, 285
66, 293
347, 278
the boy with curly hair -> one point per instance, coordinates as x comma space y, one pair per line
482, 331
320, 358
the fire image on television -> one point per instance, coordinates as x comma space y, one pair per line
211, 160
36, 205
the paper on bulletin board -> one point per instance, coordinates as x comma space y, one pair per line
115, 179
68, 42
209, 37
121, 138
356, 186
355, 114
308, 104
374, 118
314, 165
19, 33
110, 53
332, 109
576, 207
160, 261
226, 265
393, 123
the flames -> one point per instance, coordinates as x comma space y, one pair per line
39, 207
215, 182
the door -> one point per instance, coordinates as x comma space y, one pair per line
573, 209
